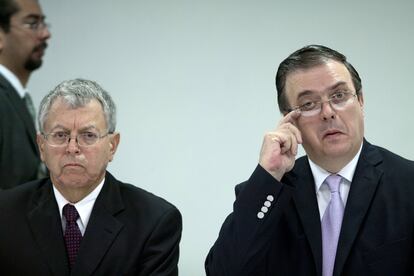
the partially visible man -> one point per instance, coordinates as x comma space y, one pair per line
23, 37
346, 208
81, 220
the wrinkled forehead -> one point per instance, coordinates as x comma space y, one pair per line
69, 115
318, 79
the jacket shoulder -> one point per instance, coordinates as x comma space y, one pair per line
394, 162
20, 195
132, 194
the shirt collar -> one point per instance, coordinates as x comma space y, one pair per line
84, 207
347, 172
14, 81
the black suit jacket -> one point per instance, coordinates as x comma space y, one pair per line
19, 155
377, 230
130, 232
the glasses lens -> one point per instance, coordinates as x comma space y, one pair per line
309, 113
57, 138
340, 104
87, 138
337, 103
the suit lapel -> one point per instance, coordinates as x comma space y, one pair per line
307, 207
102, 228
45, 223
363, 187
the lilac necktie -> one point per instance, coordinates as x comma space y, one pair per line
72, 234
331, 225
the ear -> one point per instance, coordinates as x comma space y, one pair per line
113, 144
41, 145
361, 99
2, 38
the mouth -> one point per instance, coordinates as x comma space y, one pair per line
40, 48
72, 165
332, 133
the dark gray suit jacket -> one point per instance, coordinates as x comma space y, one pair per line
377, 230
19, 155
130, 232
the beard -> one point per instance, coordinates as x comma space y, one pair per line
33, 62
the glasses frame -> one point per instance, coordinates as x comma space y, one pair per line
69, 138
36, 26
318, 105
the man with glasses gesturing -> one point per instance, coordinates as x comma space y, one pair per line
81, 220
23, 40
346, 208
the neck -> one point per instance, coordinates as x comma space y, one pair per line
333, 166
335, 163
75, 194
23, 76
21, 73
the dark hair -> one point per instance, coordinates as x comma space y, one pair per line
7, 9
305, 58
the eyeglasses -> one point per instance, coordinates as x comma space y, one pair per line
62, 139
36, 26
338, 101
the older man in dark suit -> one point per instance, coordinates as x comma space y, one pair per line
23, 36
81, 220
346, 208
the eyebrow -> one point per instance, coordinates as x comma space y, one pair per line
68, 130
332, 87
38, 17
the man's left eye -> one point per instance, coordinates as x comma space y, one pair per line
338, 95
89, 135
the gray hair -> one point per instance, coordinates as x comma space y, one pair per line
78, 93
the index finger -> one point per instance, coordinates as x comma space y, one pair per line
291, 117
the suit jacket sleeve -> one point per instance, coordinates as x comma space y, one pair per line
243, 242
161, 251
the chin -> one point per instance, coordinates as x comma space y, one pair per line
33, 64
73, 180
338, 149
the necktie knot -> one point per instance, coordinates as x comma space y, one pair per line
333, 182
70, 213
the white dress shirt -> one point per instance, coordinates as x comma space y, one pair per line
323, 194
84, 207
14, 81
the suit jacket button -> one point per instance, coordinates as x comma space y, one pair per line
270, 198
264, 209
260, 215
267, 204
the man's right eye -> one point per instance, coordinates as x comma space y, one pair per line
59, 135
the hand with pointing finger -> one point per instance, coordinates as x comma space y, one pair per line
280, 146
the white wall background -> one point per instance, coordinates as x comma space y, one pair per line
194, 85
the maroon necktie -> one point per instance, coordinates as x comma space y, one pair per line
72, 234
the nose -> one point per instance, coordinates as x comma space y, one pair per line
72, 146
44, 33
327, 111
